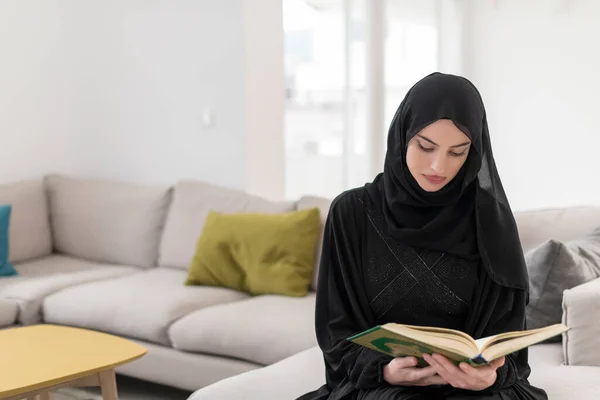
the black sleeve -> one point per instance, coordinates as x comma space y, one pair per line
341, 306
511, 317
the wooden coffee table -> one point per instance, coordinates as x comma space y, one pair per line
35, 360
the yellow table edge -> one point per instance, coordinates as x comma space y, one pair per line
67, 378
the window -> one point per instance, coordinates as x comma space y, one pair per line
328, 142
411, 49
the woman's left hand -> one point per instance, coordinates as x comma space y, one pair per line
465, 376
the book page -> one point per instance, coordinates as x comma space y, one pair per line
483, 342
446, 340
433, 331
506, 344
518, 334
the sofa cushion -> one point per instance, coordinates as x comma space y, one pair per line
8, 312
42, 277
537, 226
581, 313
561, 381
6, 267
262, 329
140, 306
105, 221
554, 267
29, 224
192, 201
323, 205
257, 253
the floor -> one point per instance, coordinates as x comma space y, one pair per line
129, 389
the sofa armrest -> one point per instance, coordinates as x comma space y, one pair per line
289, 378
581, 313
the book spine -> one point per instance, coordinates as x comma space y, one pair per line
479, 360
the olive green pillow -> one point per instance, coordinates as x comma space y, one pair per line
257, 253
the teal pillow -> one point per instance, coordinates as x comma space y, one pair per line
6, 268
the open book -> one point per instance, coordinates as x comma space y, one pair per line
399, 340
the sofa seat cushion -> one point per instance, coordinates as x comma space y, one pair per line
560, 381
8, 312
262, 329
305, 371
42, 277
141, 306
545, 355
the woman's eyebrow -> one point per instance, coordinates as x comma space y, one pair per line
429, 140
435, 144
460, 145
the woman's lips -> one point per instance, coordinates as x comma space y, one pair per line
435, 179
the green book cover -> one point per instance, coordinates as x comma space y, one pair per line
396, 345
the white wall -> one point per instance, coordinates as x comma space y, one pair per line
35, 93
536, 64
450, 23
264, 94
116, 89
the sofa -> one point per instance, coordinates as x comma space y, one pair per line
567, 370
113, 257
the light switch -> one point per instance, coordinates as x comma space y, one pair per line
208, 118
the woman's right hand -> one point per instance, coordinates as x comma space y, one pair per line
404, 371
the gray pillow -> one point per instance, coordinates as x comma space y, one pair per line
556, 266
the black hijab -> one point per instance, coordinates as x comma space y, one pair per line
470, 216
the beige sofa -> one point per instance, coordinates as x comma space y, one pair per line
113, 256
567, 370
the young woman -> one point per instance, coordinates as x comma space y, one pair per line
431, 241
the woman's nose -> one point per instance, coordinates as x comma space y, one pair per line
439, 164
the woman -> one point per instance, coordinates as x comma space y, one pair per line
431, 241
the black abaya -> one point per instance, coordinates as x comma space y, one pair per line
344, 309
469, 218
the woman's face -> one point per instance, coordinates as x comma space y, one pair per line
436, 154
